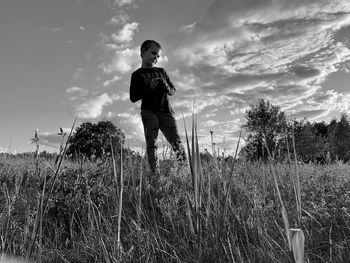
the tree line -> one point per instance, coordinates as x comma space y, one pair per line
270, 134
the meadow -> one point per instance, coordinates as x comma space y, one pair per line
79, 211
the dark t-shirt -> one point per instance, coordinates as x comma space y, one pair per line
140, 89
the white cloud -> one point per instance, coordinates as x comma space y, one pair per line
239, 51
121, 3
109, 82
279, 50
53, 139
131, 122
187, 28
126, 34
77, 90
119, 19
124, 96
198, 103
92, 108
210, 123
3, 150
123, 61
78, 74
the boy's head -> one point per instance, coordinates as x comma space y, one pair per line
150, 50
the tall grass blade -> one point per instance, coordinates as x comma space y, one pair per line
41, 220
30, 247
139, 206
298, 240
295, 237
229, 186
283, 209
197, 178
189, 152
120, 192
120, 205
296, 181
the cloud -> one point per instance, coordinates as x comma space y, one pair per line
124, 95
280, 50
187, 28
92, 108
126, 34
76, 92
122, 3
237, 52
118, 47
210, 123
53, 139
109, 82
78, 74
3, 150
120, 18
123, 61
131, 124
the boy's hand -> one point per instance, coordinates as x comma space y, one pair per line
155, 83
160, 84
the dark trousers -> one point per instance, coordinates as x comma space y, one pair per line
152, 123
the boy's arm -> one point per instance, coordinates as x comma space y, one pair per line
172, 89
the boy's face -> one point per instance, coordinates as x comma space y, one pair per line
150, 56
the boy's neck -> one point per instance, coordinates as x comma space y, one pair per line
146, 66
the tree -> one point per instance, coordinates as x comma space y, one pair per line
265, 121
93, 140
341, 139
311, 140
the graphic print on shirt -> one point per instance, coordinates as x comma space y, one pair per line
147, 77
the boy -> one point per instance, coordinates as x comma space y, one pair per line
153, 86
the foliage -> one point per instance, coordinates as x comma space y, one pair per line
314, 142
341, 139
80, 225
267, 123
93, 140
311, 141
321, 142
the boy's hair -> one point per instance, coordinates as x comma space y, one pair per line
147, 44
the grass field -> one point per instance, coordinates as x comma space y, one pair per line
233, 216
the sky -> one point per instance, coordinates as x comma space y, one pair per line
68, 58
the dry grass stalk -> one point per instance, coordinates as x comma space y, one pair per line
298, 238
296, 181
139, 205
36, 141
119, 192
41, 220
229, 186
295, 237
283, 209
120, 205
45, 205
